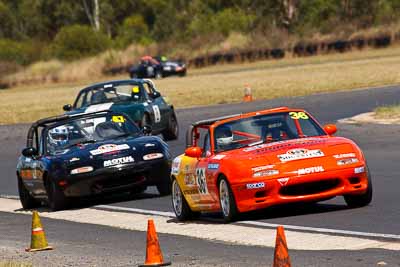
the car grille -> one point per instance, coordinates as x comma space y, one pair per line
117, 181
309, 188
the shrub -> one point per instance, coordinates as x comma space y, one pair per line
133, 30
76, 41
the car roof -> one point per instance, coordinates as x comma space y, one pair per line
221, 120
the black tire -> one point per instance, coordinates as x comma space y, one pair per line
172, 130
164, 188
356, 201
179, 203
145, 120
27, 201
227, 201
56, 197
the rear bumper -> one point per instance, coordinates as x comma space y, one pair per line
302, 188
112, 179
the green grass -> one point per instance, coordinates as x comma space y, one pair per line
225, 83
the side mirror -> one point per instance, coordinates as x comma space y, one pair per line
29, 152
330, 129
155, 94
67, 107
147, 129
193, 152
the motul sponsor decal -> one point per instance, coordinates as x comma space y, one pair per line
300, 153
108, 148
113, 162
310, 170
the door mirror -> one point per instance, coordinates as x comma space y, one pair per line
67, 107
330, 129
29, 152
147, 129
155, 94
193, 152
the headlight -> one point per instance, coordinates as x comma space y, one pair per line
153, 156
82, 170
265, 173
347, 161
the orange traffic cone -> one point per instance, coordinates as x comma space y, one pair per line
153, 252
247, 94
281, 255
38, 238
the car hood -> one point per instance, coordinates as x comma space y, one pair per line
131, 148
291, 157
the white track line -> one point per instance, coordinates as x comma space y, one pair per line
247, 223
262, 224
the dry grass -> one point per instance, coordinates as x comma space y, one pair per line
15, 264
388, 112
224, 84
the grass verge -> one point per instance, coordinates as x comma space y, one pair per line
224, 84
388, 112
14, 264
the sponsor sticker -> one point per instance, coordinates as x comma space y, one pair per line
255, 185
149, 145
262, 168
118, 161
201, 180
157, 114
176, 165
118, 119
135, 89
74, 159
310, 170
108, 148
189, 179
283, 181
347, 155
300, 153
213, 166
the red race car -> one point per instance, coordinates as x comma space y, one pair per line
252, 161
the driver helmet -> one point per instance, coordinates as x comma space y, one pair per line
224, 135
58, 136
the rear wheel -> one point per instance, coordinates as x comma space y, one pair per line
158, 75
179, 203
355, 201
227, 201
57, 199
172, 130
27, 201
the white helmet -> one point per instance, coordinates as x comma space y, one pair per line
59, 135
224, 135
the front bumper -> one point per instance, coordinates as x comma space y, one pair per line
114, 179
302, 188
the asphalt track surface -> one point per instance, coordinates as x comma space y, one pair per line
379, 143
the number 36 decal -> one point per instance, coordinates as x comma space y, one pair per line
298, 115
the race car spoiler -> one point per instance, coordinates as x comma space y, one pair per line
189, 133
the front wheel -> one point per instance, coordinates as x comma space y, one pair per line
172, 130
56, 197
356, 201
179, 203
227, 201
27, 201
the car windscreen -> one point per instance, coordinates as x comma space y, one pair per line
79, 131
110, 93
265, 129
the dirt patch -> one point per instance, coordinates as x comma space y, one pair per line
369, 117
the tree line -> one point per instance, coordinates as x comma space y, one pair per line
40, 29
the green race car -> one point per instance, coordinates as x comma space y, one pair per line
137, 98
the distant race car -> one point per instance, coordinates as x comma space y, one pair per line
158, 67
89, 154
138, 98
252, 161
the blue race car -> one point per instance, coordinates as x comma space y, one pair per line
137, 98
89, 154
